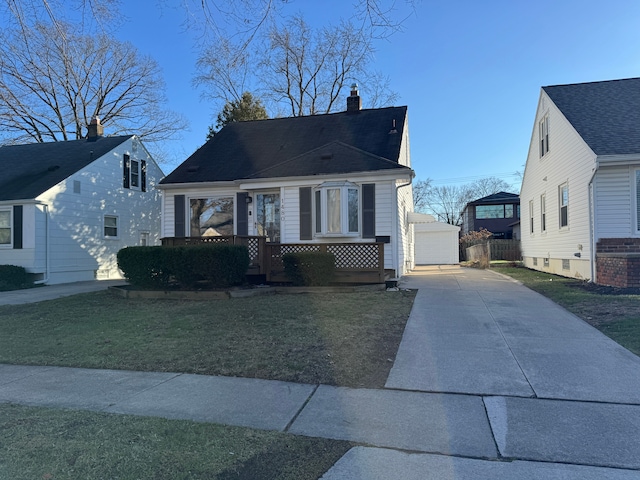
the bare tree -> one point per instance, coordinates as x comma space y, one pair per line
489, 186
306, 69
52, 82
447, 202
421, 189
298, 70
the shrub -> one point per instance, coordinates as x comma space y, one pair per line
13, 277
145, 267
221, 265
309, 268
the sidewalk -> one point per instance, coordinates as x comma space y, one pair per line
491, 381
51, 292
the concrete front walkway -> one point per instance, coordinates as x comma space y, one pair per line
491, 381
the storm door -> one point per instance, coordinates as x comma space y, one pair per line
267, 211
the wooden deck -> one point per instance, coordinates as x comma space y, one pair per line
355, 262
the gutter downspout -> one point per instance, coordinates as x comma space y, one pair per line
47, 256
395, 251
592, 233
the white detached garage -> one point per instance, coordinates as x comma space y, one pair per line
436, 243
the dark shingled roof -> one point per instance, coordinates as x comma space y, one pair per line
496, 198
605, 114
32, 169
366, 140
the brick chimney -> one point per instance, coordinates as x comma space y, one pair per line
354, 102
96, 130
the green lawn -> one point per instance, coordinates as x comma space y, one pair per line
347, 339
38, 443
617, 316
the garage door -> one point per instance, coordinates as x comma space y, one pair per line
436, 248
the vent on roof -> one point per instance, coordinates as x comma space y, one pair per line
393, 130
193, 168
326, 156
53, 168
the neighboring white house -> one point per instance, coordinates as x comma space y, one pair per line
66, 208
436, 243
580, 194
341, 177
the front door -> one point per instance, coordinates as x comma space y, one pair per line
268, 216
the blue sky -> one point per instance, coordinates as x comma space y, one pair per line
469, 71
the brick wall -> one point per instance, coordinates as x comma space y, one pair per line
618, 262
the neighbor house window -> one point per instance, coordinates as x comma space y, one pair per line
563, 193
543, 212
144, 239
5, 227
530, 216
134, 173
110, 226
211, 217
494, 211
337, 209
544, 135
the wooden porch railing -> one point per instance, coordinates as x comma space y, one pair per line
355, 262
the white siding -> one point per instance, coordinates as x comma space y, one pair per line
570, 161
290, 215
436, 244
405, 229
614, 211
77, 248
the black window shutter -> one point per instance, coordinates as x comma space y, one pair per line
179, 220
126, 173
17, 226
143, 175
242, 210
305, 214
369, 210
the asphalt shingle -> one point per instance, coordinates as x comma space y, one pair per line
31, 169
262, 148
605, 114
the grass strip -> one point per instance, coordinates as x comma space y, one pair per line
50, 444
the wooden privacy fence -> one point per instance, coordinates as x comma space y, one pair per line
494, 250
355, 262
505, 250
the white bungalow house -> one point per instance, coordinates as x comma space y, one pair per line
321, 179
67, 207
581, 187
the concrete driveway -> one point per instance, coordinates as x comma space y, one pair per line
561, 399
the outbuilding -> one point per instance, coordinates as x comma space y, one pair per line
436, 243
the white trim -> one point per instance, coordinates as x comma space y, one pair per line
104, 227
9, 245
